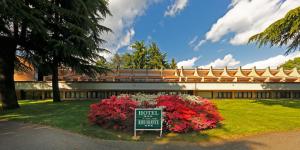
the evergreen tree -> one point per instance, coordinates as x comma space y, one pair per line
139, 56
285, 31
292, 64
18, 19
156, 59
116, 62
76, 37
142, 57
173, 64
128, 61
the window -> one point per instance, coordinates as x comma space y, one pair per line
244, 95
224, 95
68, 94
296, 94
283, 94
263, 95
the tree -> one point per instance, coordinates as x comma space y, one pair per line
116, 62
74, 37
18, 19
173, 64
142, 57
128, 61
285, 31
139, 55
156, 59
102, 63
292, 64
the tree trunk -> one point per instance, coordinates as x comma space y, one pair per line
7, 63
55, 87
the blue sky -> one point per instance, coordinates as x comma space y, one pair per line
199, 32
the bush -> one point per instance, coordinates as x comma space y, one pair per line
181, 113
183, 116
116, 113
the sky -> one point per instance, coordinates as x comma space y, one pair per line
199, 33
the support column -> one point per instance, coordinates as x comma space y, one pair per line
254, 95
43, 94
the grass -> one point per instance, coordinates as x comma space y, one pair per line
242, 118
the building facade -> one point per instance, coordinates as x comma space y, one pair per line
210, 83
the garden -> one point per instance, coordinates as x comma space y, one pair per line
241, 117
182, 113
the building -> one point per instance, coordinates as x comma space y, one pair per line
210, 83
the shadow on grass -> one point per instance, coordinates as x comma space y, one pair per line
282, 102
13, 131
226, 145
72, 116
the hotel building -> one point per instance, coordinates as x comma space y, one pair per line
210, 83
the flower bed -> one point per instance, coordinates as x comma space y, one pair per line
182, 113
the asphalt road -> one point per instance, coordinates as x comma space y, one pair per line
21, 136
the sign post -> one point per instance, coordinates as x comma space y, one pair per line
150, 119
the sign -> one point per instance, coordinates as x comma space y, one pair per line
148, 119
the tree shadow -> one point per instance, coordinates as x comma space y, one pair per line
226, 145
282, 102
17, 131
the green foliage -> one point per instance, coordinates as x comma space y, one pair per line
139, 55
156, 59
116, 61
142, 57
128, 61
74, 34
173, 64
292, 64
285, 31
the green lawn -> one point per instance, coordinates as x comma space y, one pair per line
242, 117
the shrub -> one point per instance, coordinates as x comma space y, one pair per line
144, 100
181, 113
116, 113
183, 116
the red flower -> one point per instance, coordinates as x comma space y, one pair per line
182, 116
116, 113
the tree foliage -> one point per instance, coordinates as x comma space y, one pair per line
173, 64
18, 20
51, 33
73, 38
292, 64
285, 31
142, 57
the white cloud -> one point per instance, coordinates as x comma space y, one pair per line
196, 43
272, 61
126, 40
124, 13
199, 44
176, 7
188, 63
192, 42
248, 17
228, 61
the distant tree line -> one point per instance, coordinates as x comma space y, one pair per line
292, 64
142, 57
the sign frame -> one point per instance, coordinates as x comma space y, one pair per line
161, 119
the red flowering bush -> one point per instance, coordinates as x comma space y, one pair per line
116, 113
181, 113
183, 116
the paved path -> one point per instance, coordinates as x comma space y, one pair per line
20, 136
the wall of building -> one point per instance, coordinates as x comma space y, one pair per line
99, 90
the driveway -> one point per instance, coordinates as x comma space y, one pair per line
24, 136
